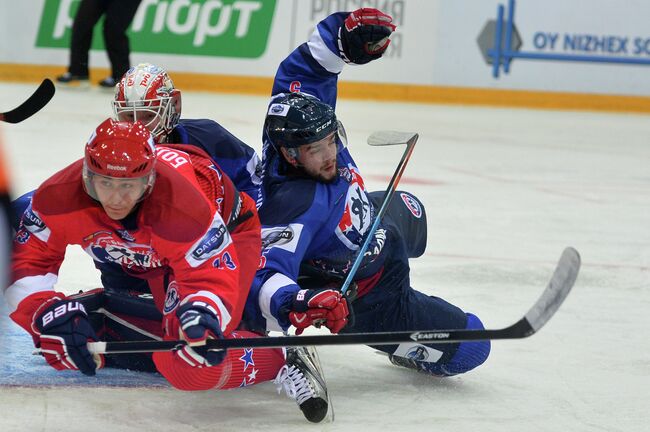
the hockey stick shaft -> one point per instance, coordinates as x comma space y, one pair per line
388, 195
539, 314
32, 105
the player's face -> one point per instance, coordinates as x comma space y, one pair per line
118, 196
318, 159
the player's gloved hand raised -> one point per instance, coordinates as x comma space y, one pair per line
364, 35
198, 322
318, 307
64, 331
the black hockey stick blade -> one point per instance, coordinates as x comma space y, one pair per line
31, 106
557, 290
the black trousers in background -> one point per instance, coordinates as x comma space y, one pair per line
118, 17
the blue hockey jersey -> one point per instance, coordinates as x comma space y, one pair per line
304, 220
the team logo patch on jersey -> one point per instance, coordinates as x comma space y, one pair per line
282, 237
171, 299
346, 174
215, 241
105, 247
357, 213
412, 204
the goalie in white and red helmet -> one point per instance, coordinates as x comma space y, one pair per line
146, 94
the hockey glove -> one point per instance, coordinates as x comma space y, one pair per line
318, 307
64, 331
363, 37
199, 321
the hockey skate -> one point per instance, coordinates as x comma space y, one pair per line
302, 379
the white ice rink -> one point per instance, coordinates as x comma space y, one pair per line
505, 192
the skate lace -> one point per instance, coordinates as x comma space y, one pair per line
294, 383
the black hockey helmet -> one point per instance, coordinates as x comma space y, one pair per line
296, 119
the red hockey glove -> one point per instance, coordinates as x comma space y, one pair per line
363, 37
198, 322
318, 307
64, 331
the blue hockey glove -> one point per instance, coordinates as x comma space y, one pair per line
64, 331
364, 35
199, 322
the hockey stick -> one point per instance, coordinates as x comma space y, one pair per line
32, 105
381, 139
544, 308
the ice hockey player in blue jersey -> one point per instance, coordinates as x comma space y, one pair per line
316, 212
147, 93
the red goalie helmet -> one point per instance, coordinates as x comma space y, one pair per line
120, 150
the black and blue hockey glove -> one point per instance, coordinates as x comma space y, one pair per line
364, 35
199, 321
64, 331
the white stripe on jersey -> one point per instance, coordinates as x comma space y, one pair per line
326, 58
27, 286
267, 290
224, 317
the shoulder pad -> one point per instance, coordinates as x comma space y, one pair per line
299, 193
63, 192
176, 210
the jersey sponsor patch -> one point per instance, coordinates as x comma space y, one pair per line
282, 237
412, 204
33, 223
215, 241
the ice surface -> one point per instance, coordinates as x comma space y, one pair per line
505, 192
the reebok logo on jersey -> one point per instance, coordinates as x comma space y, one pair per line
116, 167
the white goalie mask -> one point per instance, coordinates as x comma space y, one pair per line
147, 94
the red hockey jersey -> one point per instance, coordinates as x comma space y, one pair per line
180, 233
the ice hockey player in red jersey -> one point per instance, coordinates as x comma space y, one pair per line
170, 218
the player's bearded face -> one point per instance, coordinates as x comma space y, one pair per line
118, 197
318, 159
